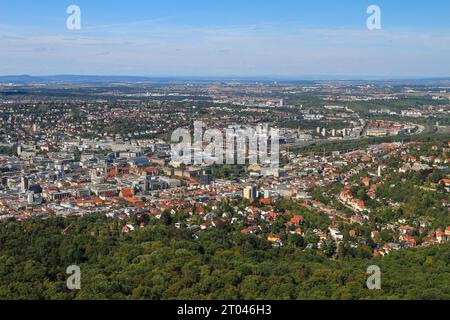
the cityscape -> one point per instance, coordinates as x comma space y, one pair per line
203, 187
351, 182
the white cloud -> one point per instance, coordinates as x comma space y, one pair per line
150, 48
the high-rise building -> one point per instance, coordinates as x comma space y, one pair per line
30, 198
24, 181
250, 192
146, 185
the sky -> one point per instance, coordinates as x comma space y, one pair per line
267, 38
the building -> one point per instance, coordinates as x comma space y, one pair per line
336, 234
250, 192
104, 190
24, 181
59, 195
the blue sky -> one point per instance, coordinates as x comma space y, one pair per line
283, 38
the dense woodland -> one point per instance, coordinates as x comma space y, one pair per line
161, 262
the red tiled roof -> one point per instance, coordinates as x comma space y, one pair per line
127, 192
133, 200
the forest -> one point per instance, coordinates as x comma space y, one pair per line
159, 261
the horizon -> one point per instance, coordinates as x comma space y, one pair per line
275, 78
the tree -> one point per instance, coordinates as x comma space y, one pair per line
296, 241
166, 218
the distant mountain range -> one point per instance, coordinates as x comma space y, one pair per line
69, 78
